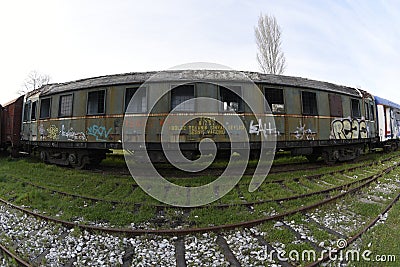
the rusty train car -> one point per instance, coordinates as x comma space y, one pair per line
78, 123
10, 126
1, 129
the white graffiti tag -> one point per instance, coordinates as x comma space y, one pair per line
262, 128
42, 132
71, 135
304, 134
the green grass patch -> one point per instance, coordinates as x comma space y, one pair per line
382, 241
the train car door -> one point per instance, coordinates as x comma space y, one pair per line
30, 117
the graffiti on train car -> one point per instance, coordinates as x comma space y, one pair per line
42, 132
101, 133
204, 126
263, 128
52, 132
207, 126
302, 133
348, 128
72, 135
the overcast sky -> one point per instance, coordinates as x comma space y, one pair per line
353, 43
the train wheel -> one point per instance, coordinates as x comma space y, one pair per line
44, 156
330, 157
78, 161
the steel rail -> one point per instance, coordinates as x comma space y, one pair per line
328, 190
358, 234
218, 228
19, 260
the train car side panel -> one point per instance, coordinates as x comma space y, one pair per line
2, 142
11, 120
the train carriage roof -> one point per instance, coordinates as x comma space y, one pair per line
385, 102
12, 101
202, 75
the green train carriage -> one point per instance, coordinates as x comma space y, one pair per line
77, 123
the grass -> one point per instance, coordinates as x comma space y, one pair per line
13, 173
113, 187
210, 216
277, 234
384, 236
382, 240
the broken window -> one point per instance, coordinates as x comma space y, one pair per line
33, 111
367, 112
275, 99
355, 108
27, 110
139, 104
371, 112
309, 100
179, 95
65, 106
231, 99
96, 102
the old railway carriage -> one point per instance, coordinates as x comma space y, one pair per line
316, 118
2, 146
11, 126
78, 122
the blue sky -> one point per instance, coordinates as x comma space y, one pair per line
353, 43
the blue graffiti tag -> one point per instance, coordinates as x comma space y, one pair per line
100, 132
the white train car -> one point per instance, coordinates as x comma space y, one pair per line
388, 114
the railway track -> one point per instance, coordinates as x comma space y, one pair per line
252, 203
238, 244
228, 205
169, 171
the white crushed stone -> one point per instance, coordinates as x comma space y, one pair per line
152, 251
203, 250
247, 249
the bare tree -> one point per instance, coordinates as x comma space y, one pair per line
34, 81
268, 38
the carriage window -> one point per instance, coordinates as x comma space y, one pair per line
96, 102
309, 100
65, 106
45, 108
371, 112
139, 104
26, 111
179, 95
275, 100
355, 108
33, 111
231, 99
366, 105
